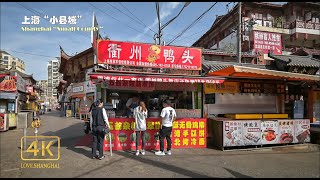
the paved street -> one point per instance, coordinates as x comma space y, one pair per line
75, 161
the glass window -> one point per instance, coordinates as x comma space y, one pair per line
6, 57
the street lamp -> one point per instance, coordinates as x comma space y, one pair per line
158, 35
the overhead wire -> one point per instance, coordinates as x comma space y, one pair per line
138, 21
118, 20
193, 23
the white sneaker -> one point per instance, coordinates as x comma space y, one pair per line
143, 152
169, 152
161, 153
137, 153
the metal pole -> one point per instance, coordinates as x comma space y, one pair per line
110, 144
159, 24
239, 34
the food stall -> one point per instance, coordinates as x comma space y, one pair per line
152, 73
245, 113
8, 92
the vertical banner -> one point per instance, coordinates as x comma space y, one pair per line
186, 133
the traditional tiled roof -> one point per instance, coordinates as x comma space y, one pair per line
212, 66
219, 52
307, 51
293, 60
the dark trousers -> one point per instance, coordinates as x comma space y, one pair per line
98, 141
138, 139
165, 132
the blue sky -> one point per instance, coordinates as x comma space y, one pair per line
47, 43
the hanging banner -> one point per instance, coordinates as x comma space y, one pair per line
131, 85
186, 133
148, 55
165, 79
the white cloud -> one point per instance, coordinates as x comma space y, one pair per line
165, 11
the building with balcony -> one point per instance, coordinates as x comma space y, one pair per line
265, 27
8, 62
54, 78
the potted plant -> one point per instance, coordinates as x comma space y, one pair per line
278, 21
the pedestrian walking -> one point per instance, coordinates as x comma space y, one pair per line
140, 114
100, 126
168, 115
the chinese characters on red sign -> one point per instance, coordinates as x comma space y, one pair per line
131, 85
265, 41
148, 55
155, 79
186, 133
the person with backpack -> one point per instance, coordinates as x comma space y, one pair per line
100, 126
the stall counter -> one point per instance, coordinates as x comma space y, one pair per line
186, 133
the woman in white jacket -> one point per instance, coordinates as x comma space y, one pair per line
140, 114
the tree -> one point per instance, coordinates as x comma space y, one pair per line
106, 37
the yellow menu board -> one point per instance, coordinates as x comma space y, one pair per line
226, 87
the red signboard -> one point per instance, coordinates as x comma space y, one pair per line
155, 79
131, 85
8, 83
265, 41
148, 55
186, 133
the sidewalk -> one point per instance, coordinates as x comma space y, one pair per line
296, 161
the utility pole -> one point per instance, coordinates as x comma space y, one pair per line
239, 34
159, 23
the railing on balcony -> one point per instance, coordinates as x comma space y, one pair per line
305, 25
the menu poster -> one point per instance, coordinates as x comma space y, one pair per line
251, 132
232, 133
302, 130
286, 131
269, 132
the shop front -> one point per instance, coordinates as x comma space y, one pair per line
77, 98
248, 109
152, 73
8, 92
185, 93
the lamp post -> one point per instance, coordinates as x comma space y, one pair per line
160, 28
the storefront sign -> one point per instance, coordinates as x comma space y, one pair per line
155, 79
131, 85
148, 55
225, 87
90, 87
186, 133
8, 84
265, 41
251, 132
286, 131
77, 89
232, 133
269, 132
301, 130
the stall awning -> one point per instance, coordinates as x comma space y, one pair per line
153, 78
249, 72
6, 95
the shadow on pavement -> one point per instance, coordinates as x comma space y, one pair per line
164, 166
237, 174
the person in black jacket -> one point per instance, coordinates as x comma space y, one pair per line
98, 125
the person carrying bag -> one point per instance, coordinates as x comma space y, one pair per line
100, 127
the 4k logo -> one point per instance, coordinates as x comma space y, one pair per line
41, 148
